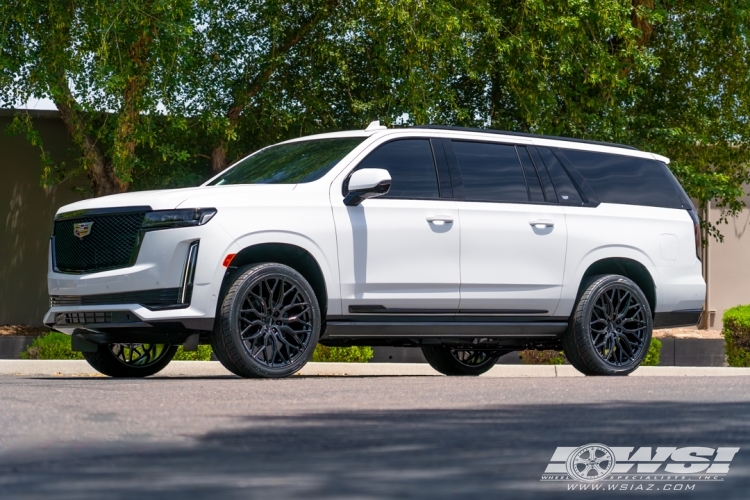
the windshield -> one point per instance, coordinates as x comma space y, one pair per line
289, 163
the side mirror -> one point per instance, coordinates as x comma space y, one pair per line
367, 183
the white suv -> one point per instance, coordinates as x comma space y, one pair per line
466, 243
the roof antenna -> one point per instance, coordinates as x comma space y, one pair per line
375, 126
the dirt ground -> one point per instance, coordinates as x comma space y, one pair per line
23, 330
687, 333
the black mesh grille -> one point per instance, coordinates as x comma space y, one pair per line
88, 318
94, 317
110, 243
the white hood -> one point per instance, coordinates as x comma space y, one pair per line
166, 199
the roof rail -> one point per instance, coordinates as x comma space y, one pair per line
375, 126
525, 134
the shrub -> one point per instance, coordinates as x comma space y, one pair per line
202, 354
654, 353
354, 354
54, 345
533, 357
737, 335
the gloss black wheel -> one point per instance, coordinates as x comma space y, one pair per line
450, 361
269, 324
611, 328
130, 360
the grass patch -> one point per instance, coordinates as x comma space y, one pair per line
202, 354
354, 354
533, 357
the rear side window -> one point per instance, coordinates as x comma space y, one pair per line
566, 191
411, 165
491, 172
625, 180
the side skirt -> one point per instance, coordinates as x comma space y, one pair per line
448, 329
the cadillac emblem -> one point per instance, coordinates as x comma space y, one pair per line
82, 229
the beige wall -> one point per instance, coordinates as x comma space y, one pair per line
26, 213
729, 265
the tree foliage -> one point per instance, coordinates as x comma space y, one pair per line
164, 92
106, 65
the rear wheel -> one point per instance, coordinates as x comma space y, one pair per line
130, 360
610, 331
269, 323
456, 362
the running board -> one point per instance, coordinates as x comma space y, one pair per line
354, 329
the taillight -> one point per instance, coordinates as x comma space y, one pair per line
697, 229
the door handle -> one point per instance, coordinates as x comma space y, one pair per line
541, 223
440, 219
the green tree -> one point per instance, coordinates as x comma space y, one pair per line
107, 65
695, 106
163, 92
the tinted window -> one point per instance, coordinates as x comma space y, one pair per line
289, 163
541, 170
532, 179
625, 179
490, 172
566, 191
411, 166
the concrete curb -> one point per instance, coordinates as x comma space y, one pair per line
66, 368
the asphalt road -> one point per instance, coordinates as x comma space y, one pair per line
354, 437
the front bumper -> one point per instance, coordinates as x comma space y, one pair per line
155, 294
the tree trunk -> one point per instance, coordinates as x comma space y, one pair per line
219, 158
642, 24
100, 173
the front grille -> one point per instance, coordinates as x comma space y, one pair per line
98, 317
163, 297
110, 244
88, 318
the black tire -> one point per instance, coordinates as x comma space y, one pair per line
130, 360
280, 326
455, 362
610, 330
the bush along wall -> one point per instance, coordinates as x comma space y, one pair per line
53, 345
737, 335
558, 357
56, 345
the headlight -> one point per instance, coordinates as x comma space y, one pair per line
183, 217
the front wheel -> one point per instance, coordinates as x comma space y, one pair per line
130, 360
610, 331
449, 361
269, 323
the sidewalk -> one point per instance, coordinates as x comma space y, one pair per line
13, 367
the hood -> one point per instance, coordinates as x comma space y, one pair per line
166, 199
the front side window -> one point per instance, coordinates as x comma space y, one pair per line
292, 163
491, 172
411, 165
